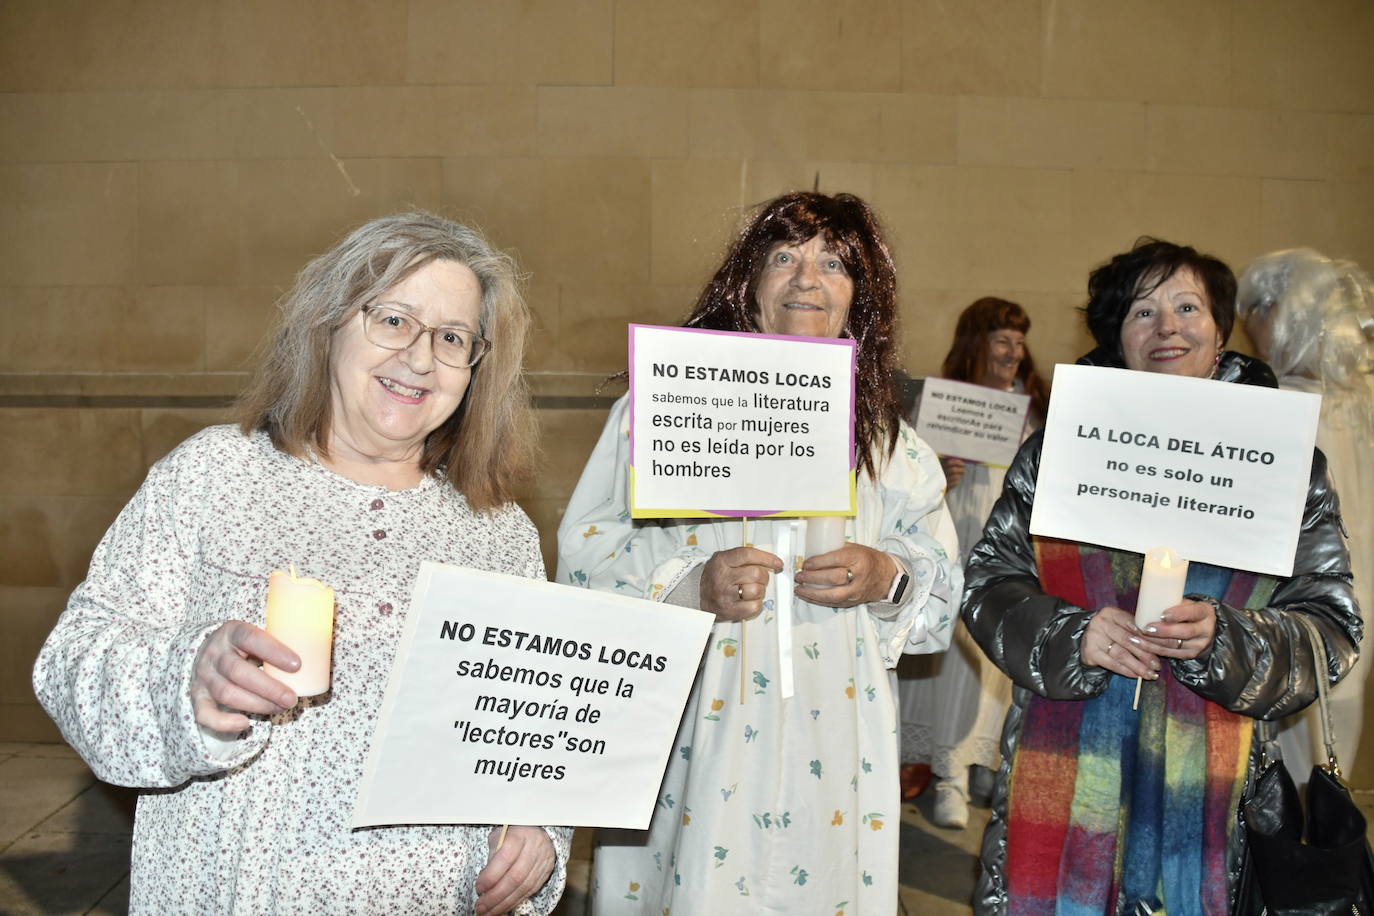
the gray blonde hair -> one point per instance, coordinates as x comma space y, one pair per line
1322, 314
487, 446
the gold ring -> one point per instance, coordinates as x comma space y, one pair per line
1180, 643
739, 590
1110, 647
848, 575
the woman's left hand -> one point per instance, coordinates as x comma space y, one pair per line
516, 871
1185, 631
852, 575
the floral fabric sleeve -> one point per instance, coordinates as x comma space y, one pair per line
600, 546
115, 672
917, 529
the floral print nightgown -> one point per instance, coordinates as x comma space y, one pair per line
771, 803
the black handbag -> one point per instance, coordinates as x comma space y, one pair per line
1316, 863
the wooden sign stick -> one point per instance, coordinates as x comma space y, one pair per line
743, 624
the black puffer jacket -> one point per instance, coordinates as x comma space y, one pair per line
1260, 664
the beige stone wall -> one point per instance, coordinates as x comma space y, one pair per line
166, 166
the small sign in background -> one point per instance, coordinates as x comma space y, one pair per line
972, 422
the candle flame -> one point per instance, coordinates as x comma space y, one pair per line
292, 567
1164, 561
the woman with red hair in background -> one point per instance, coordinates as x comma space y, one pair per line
953, 706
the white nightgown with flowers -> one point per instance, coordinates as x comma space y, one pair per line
773, 804
260, 825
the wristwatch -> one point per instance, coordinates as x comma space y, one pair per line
899, 584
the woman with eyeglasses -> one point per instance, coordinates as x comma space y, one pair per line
386, 425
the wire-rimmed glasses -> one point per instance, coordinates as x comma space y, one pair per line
392, 329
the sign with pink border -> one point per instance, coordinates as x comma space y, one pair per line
758, 423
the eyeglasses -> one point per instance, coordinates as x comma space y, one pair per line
393, 330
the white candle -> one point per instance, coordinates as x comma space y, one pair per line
1161, 585
824, 533
300, 612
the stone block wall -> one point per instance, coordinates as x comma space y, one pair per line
166, 167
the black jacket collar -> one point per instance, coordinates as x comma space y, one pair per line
1234, 367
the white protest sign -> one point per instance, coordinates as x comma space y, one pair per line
517, 701
1218, 472
740, 424
971, 421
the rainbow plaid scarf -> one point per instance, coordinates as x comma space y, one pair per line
1107, 807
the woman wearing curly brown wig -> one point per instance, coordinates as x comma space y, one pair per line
791, 803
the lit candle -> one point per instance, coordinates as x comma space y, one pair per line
1161, 585
300, 612
824, 533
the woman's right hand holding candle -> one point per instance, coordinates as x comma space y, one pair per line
1185, 631
227, 677
853, 574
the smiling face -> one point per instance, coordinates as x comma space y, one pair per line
1006, 350
1171, 329
803, 290
385, 402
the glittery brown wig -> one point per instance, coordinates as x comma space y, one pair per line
851, 231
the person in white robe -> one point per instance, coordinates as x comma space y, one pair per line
953, 704
772, 803
1312, 319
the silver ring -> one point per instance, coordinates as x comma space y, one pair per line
739, 591
1110, 647
848, 575
1180, 643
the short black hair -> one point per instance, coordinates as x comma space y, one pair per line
1116, 285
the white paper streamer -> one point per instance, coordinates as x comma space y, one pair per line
783, 593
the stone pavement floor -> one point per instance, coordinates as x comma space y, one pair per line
64, 836
65, 840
